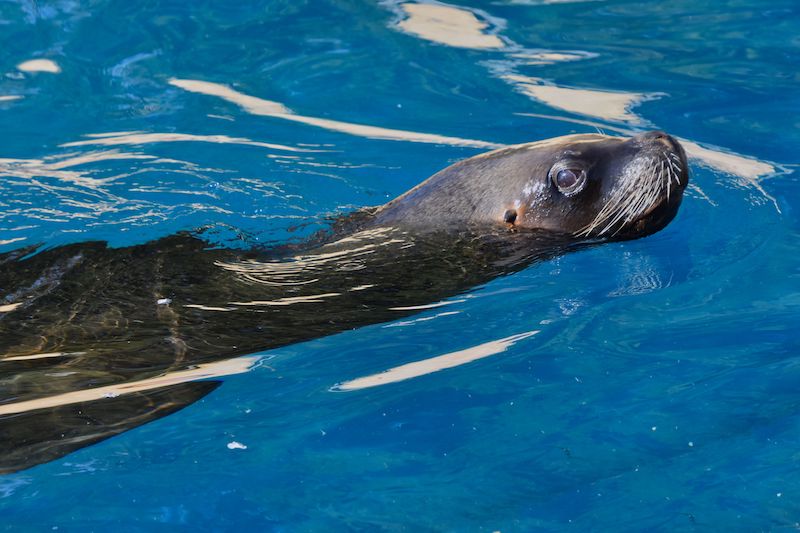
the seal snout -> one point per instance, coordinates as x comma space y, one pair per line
644, 185
657, 137
657, 141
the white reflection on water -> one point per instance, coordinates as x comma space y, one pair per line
47, 355
79, 184
749, 168
10, 98
544, 2
549, 57
4, 309
54, 167
434, 364
301, 269
113, 139
39, 65
290, 300
608, 105
461, 27
259, 106
404, 323
204, 371
426, 306
448, 25
209, 307
10, 307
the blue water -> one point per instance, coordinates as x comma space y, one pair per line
662, 390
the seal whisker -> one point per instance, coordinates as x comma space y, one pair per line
675, 172
639, 188
676, 167
628, 200
675, 163
626, 206
615, 209
646, 191
621, 215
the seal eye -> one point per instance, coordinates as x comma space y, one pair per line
569, 180
566, 179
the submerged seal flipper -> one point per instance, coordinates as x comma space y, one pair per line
41, 435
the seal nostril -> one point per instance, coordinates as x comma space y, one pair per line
656, 136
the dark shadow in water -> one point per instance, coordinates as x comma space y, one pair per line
84, 316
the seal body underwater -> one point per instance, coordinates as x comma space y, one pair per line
85, 317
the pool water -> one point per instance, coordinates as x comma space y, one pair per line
661, 390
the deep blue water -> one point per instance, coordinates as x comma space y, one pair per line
661, 392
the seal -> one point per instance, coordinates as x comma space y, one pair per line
95, 340
584, 185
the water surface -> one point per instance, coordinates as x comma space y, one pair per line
660, 390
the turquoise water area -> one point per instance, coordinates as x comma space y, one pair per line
661, 390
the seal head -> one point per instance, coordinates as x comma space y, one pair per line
592, 187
